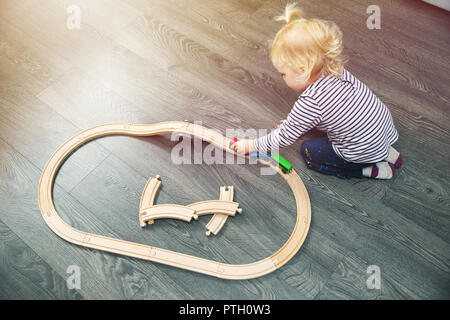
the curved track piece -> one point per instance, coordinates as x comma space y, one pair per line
171, 211
215, 206
148, 212
218, 220
176, 259
148, 196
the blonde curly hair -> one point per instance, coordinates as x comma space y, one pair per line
308, 46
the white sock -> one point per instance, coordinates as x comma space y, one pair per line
393, 155
367, 171
384, 171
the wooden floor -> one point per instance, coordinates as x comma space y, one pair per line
144, 61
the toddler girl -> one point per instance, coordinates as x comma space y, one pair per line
360, 130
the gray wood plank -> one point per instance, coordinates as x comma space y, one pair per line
216, 25
107, 17
25, 275
202, 68
378, 234
349, 281
34, 65
36, 131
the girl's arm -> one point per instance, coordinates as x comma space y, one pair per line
247, 145
304, 116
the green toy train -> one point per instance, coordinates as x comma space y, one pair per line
283, 164
276, 160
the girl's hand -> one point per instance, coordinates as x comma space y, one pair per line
243, 146
281, 122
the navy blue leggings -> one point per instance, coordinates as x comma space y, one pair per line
320, 156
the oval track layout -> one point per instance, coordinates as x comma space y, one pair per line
146, 252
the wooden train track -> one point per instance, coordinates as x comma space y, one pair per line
148, 212
218, 220
220, 209
146, 252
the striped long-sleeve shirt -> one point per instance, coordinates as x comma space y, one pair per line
358, 124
